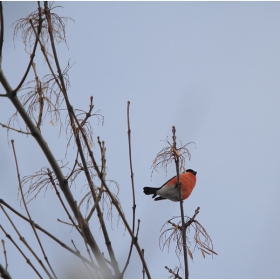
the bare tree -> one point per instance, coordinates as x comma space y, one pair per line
47, 97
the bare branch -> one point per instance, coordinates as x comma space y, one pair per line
22, 239
176, 155
32, 54
116, 204
61, 201
11, 128
143, 268
176, 275
57, 170
132, 186
27, 260
83, 223
201, 238
26, 209
166, 156
1, 32
190, 221
38, 17
45, 27
49, 234
5, 253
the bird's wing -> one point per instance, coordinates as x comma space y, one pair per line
168, 181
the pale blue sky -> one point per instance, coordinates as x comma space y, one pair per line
212, 69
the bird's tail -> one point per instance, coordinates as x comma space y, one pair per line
148, 190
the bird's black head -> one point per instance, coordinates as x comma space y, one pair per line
192, 171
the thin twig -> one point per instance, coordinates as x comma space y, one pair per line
176, 157
201, 238
176, 275
46, 56
27, 260
31, 56
103, 172
61, 201
188, 223
132, 186
191, 220
40, 95
5, 254
143, 268
11, 128
73, 169
1, 32
27, 211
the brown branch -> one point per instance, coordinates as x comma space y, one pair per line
19, 131
76, 133
176, 157
57, 170
1, 32
73, 169
99, 212
61, 201
191, 220
176, 275
116, 204
62, 180
88, 114
103, 172
166, 156
27, 260
143, 268
84, 227
113, 199
46, 56
49, 234
205, 246
98, 198
31, 56
41, 96
95, 198
5, 253
29, 216
22, 239
132, 186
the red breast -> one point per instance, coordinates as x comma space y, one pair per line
170, 191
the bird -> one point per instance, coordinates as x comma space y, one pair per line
169, 190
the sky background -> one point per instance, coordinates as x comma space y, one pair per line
211, 69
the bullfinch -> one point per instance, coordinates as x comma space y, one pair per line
169, 190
